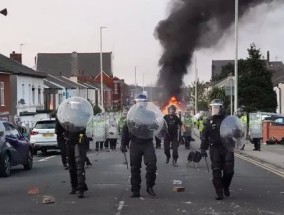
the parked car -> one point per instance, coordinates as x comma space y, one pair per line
15, 149
43, 136
276, 119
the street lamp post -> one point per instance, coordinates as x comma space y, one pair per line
236, 55
101, 67
196, 81
231, 89
4, 12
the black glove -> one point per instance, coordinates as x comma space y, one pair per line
123, 149
203, 153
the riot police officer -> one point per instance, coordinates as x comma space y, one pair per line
76, 151
174, 123
222, 160
243, 117
188, 124
140, 147
61, 142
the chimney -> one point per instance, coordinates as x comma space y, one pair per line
74, 64
16, 57
267, 59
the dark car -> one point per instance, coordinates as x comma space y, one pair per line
15, 149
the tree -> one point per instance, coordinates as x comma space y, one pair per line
255, 87
201, 94
219, 93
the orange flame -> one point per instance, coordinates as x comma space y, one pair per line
173, 101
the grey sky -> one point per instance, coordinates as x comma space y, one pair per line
73, 25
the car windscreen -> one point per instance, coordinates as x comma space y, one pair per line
45, 125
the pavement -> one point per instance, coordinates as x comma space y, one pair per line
269, 154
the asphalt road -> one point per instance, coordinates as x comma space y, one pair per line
254, 190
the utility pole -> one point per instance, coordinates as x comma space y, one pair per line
236, 54
101, 67
196, 79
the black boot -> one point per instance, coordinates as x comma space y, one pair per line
73, 191
135, 194
168, 160
85, 188
150, 191
175, 163
219, 196
81, 194
227, 192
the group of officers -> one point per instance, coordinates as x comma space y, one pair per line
222, 160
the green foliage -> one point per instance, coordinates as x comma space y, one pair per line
255, 87
201, 94
219, 93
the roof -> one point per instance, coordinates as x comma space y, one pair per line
50, 84
278, 72
58, 81
276, 66
70, 64
14, 67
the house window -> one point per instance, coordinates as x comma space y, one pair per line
39, 96
60, 98
30, 92
115, 89
51, 105
2, 95
33, 95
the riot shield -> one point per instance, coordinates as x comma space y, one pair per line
145, 120
75, 113
232, 133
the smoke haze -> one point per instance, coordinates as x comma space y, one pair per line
192, 25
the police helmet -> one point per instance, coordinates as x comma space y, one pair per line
141, 98
218, 102
217, 106
240, 112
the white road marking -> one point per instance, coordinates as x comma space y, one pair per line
263, 165
119, 208
45, 159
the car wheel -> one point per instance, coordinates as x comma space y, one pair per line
5, 165
29, 162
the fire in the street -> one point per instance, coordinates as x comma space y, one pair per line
173, 101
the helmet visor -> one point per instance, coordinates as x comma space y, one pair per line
215, 109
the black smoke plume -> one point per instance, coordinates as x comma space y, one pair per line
191, 25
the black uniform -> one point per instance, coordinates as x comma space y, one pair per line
222, 160
140, 148
173, 123
59, 131
158, 142
76, 150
